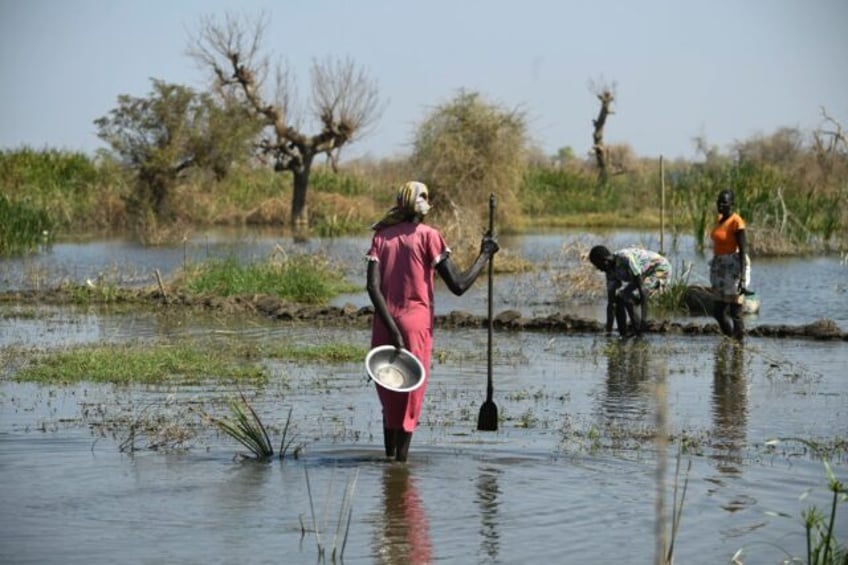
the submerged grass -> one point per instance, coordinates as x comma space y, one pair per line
188, 362
182, 363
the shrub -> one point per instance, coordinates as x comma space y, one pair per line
23, 227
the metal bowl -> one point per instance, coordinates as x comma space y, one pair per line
394, 369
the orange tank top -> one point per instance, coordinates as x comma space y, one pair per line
724, 234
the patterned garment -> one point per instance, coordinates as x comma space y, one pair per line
632, 262
407, 254
724, 277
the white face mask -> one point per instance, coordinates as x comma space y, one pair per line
422, 206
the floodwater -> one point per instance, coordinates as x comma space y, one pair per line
792, 290
571, 476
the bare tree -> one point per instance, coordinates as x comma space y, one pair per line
836, 137
344, 100
830, 146
606, 95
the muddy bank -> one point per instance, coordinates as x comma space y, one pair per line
349, 315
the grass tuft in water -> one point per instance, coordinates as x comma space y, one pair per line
247, 428
306, 279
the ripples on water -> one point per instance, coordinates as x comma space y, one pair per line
570, 476
565, 479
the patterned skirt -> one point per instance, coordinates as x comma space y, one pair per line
725, 276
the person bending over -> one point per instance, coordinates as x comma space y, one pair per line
632, 275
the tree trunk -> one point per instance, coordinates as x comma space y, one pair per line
601, 156
299, 213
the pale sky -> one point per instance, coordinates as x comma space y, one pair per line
725, 70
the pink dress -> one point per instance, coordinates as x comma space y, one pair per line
408, 254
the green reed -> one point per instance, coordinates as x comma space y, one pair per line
247, 428
76, 193
23, 227
337, 547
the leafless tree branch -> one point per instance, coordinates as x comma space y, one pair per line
345, 99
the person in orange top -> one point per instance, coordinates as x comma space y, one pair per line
728, 267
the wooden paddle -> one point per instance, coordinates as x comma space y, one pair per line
487, 420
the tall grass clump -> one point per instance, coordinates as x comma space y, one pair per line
23, 227
552, 192
307, 279
76, 192
246, 187
694, 194
324, 179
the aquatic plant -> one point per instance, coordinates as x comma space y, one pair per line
336, 549
822, 546
156, 426
287, 439
247, 428
679, 496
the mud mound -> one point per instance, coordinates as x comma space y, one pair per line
349, 315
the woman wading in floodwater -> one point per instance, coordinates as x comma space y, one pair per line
728, 267
404, 255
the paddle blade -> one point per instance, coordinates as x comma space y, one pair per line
487, 420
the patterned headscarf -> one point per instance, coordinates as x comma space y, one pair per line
411, 205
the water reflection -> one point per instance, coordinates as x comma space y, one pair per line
403, 535
628, 392
488, 494
730, 406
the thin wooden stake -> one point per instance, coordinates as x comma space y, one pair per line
662, 207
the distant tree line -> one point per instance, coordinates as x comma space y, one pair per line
180, 157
